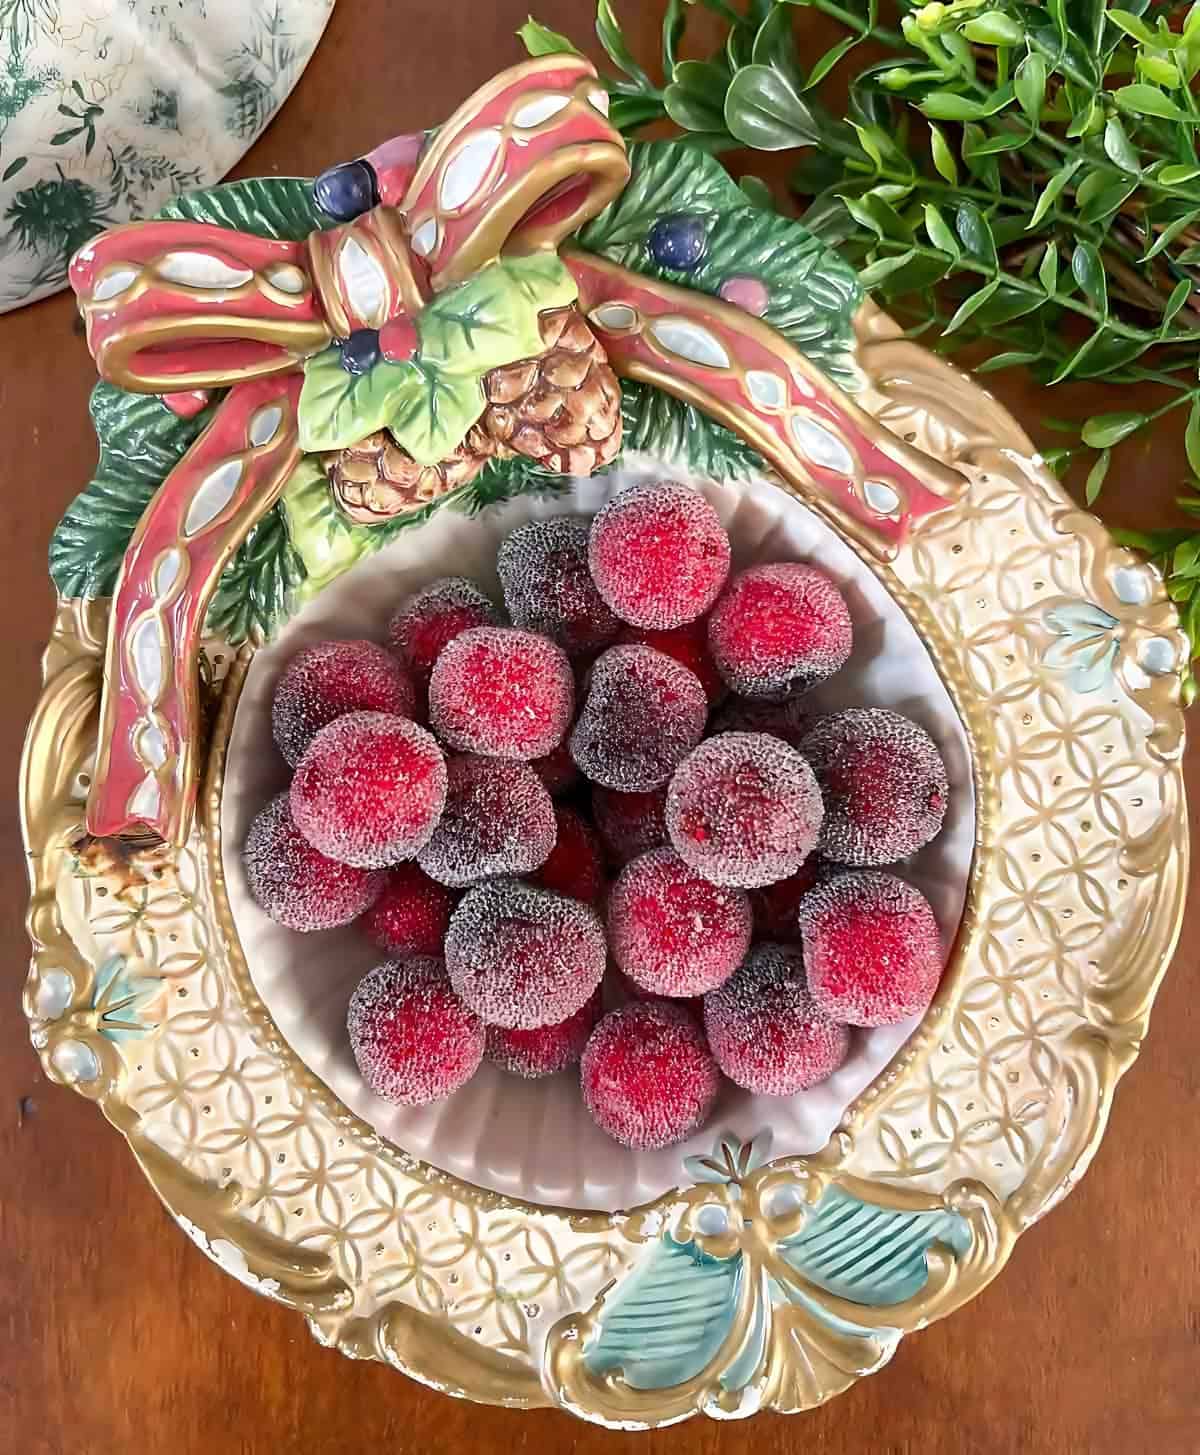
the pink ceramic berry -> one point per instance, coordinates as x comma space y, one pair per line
778, 630
574, 867
766, 1030
629, 823
413, 1039
744, 809
501, 692
295, 884
432, 618
687, 644
659, 555
498, 819
411, 915
548, 588
787, 719
544, 1050
673, 933
883, 782
872, 948
329, 679
369, 790
648, 1077
522, 956
643, 713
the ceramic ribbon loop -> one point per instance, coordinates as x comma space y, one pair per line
740, 370
175, 308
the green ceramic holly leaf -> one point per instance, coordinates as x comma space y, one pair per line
338, 408
491, 318
432, 418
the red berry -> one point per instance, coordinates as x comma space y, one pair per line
673, 933
787, 719
412, 1037
778, 630
411, 915
631, 990
522, 956
643, 713
326, 681
369, 789
544, 1050
687, 644
294, 883
431, 619
648, 1077
629, 823
659, 555
883, 781
775, 906
548, 588
557, 770
502, 692
498, 819
766, 1030
574, 867
744, 809
872, 948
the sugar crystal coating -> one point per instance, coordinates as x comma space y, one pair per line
412, 1037
658, 554
687, 644
788, 719
557, 770
629, 823
544, 1050
575, 867
883, 782
643, 713
429, 620
672, 932
522, 956
369, 789
329, 679
548, 588
648, 1077
766, 1030
502, 692
498, 819
778, 630
744, 809
411, 915
295, 884
775, 906
872, 948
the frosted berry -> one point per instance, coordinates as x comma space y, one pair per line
744, 809
574, 867
548, 588
498, 819
411, 915
502, 692
766, 1030
648, 1077
883, 781
872, 948
347, 190
659, 555
426, 622
679, 241
544, 1050
326, 681
369, 790
673, 933
629, 823
787, 719
522, 956
412, 1037
775, 906
295, 884
643, 713
778, 630
360, 352
687, 644
557, 770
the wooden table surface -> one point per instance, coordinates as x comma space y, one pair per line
117, 1336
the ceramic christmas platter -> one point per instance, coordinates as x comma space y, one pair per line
316, 399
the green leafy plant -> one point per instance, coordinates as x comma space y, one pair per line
1019, 175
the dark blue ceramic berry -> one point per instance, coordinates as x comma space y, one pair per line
360, 351
347, 190
678, 241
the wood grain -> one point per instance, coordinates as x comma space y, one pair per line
116, 1335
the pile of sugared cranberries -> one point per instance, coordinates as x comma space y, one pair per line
625, 842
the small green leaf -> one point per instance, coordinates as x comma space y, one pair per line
491, 318
757, 192
976, 234
824, 64
1095, 478
1141, 100
608, 30
1169, 233
337, 408
1191, 437
943, 157
1176, 174
1102, 431
1088, 271
1179, 296
540, 40
869, 140
972, 305
939, 231
672, 33
1119, 148
1159, 70
1030, 85
13, 168
948, 106
775, 45
1132, 25
874, 273
1052, 189
60, 137
695, 98
993, 27
1048, 269
1095, 181
763, 111
1014, 359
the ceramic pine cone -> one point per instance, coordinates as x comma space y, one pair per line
562, 409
